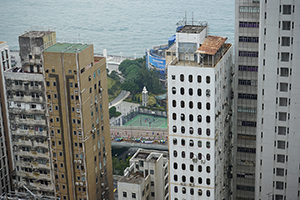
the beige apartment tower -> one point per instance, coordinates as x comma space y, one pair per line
77, 105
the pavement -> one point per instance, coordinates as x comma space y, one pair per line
123, 95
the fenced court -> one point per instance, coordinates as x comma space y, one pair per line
147, 121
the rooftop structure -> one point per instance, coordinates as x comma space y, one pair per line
67, 47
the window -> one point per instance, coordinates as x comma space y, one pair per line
174, 103
175, 166
174, 141
124, 194
173, 77
181, 77
54, 83
208, 144
175, 153
248, 39
191, 130
207, 119
199, 79
199, 143
248, 54
190, 91
175, 177
285, 57
285, 41
199, 105
174, 129
249, 9
208, 132
199, 92
191, 143
247, 96
286, 25
182, 129
246, 150
249, 24
199, 166
199, 131
248, 68
173, 90
199, 118
286, 9
200, 191
191, 105
183, 166
207, 79
182, 104
182, 91
174, 116
207, 106
190, 78
191, 167
182, 142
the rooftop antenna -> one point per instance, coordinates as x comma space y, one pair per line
185, 19
192, 18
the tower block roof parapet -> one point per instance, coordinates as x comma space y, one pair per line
67, 47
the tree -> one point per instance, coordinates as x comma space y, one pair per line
112, 111
129, 86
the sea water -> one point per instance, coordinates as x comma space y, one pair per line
123, 27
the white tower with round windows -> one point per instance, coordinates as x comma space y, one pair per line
199, 106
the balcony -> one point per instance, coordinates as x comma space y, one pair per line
35, 164
20, 142
22, 132
40, 155
41, 144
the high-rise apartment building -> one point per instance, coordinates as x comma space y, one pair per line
77, 105
5, 150
29, 133
199, 106
245, 98
278, 112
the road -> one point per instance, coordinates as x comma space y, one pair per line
123, 95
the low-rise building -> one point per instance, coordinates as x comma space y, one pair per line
152, 164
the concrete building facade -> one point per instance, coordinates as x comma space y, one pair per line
152, 164
247, 25
277, 138
5, 151
31, 44
199, 106
134, 186
29, 134
77, 105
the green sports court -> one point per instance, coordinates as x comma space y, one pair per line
148, 121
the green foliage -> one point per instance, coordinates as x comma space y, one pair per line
119, 165
137, 76
112, 111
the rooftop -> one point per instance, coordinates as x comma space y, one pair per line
1, 42
135, 178
192, 29
37, 33
67, 47
211, 45
142, 155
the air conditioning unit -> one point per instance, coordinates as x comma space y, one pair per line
102, 184
93, 131
75, 161
182, 183
77, 183
192, 184
202, 161
194, 159
81, 183
79, 161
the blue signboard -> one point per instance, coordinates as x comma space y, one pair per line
158, 62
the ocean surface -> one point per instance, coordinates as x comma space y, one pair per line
123, 27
